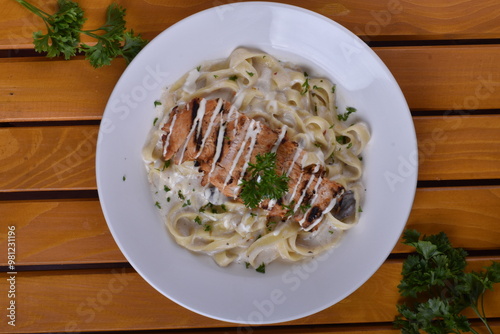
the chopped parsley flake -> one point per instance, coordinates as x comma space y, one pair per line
204, 207
167, 189
124, 178
156, 120
341, 139
250, 73
186, 203
305, 85
181, 196
197, 220
166, 165
207, 228
233, 77
345, 116
198, 68
157, 204
157, 103
261, 268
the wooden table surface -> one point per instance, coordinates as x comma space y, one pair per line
71, 276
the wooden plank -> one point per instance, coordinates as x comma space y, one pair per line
453, 78
373, 20
48, 158
444, 153
470, 216
75, 232
461, 79
76, 91
59, 232
117, 299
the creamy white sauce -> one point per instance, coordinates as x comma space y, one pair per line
197, 122
216, 113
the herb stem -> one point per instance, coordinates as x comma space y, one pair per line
34, 10
481, 316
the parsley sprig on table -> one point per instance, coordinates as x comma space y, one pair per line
64, 29
264, 181
438, 289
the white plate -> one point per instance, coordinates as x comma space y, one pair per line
286, 291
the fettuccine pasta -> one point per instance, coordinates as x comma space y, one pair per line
280, 96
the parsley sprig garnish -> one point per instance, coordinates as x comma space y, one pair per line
438, 289
64, 29
264, 181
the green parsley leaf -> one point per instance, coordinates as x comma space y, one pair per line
233, 77
180, 195
64, 29
197, 220
345, 116
132, 46
264, 181
157, 103
437, 288
166, 164
261, 268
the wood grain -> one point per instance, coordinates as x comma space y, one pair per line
374, 20
47, 158
59, 232
470, 216
460, 80
442, 147
75, 232
37, 89
121, 300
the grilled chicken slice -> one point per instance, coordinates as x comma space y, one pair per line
223, 141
